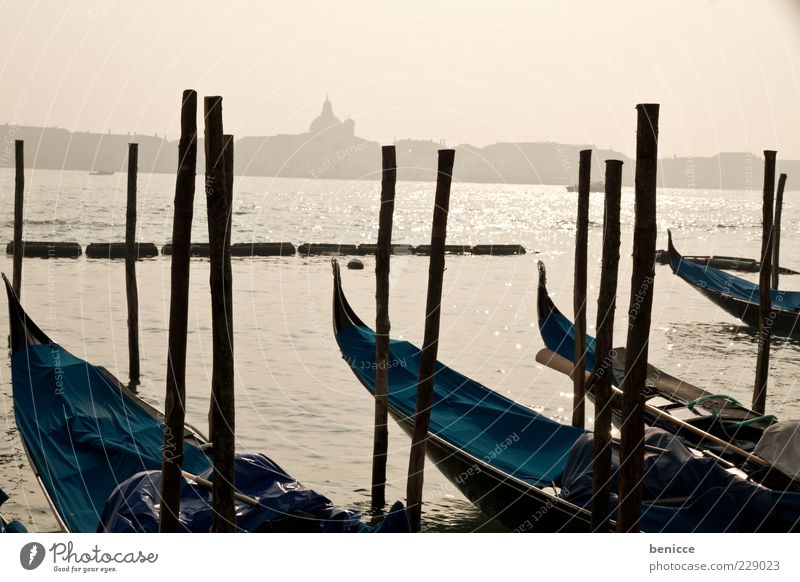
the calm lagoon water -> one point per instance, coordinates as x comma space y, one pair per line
297, 401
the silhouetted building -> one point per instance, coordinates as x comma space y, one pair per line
330, 149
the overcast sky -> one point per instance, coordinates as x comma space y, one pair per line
725, 72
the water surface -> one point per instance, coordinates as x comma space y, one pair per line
297, 401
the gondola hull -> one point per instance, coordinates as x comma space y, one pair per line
718, 415
83, 432
96, 449
507, 496
785, 323
738, 297
521, 486
516, 505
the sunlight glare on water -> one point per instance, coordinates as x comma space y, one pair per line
297, 401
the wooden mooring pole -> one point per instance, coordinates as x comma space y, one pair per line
227, 156
766, 315
218, 202
602, 374
579, 295
639, 312
776, 232
131, 290
175, 400
19, 199
430, 344
382, 327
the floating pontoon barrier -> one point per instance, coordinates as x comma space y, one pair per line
448, 249
117, 250
47, 249
396, 249
267, 249
496, 250
310, 249
198, 249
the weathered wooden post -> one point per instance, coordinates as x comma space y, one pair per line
602, 375
218, 202
19, 200
227, 157
175, 400
766, 315
131, 289
382, 327
227, 154
776, 232
579, 295
641, 304
430, 344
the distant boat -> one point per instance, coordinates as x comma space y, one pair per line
101, 173
596, 186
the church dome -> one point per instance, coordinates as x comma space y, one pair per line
326, 119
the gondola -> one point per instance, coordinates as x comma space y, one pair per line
737, 296
528, 471
726, 263
95, 448
670, 401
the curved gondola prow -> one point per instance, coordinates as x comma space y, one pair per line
674, 256
343, 315
730, 304
544, 305
545, 308
24, 332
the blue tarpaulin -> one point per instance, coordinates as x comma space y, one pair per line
691, 494
284, 504
489, 426
89, 439
84, 435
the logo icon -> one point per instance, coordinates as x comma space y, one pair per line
31, 555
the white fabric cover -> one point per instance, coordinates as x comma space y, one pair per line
780, 446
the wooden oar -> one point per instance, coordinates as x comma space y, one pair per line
553, 360
206, 484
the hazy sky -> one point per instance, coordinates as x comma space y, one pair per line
725, 72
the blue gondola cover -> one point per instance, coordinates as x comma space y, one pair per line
83, 434
485, 424
284, 504
687, 493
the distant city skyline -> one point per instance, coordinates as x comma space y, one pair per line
329, 148
350, 123
725, 73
